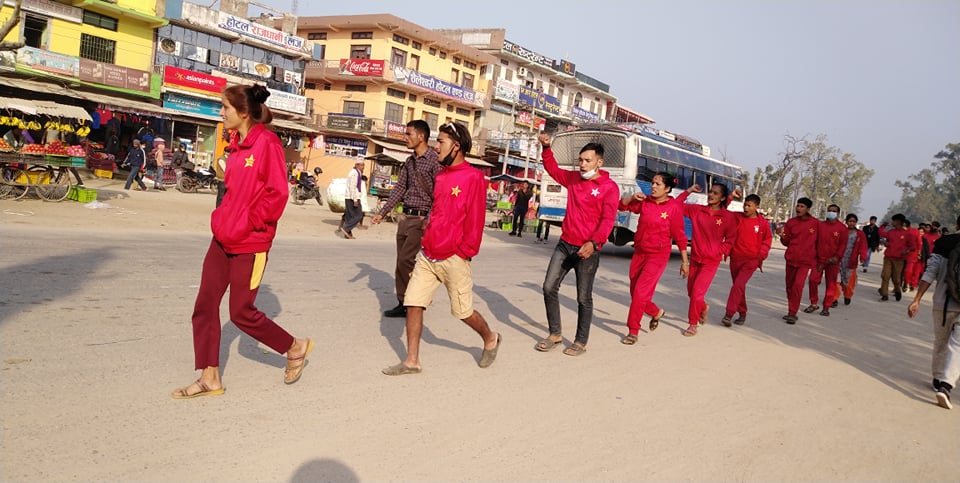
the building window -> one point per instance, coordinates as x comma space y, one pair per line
456, 60
401, 39
361, 35
505, 62
414, 62
469, 65
396, 93
359, 51
463, 112
509, 75
443, 55
433, 51
353, 107
449, 107
398, 57
577, 99
317, 36
467, 80
417, 45
35, 31
327, 86
393, 112
455, 76
97, 20
412, 97
97, 48
309, 85
539, 85
431, 102
356, 88
431, 119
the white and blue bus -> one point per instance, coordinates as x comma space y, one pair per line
633, 153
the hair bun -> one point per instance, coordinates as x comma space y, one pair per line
259, 93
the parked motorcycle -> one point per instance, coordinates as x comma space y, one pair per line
192, 180
305, 188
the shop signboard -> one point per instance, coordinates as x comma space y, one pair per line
507, 91
539, 100
345, 122
344, 146
361, 67
396, 130
259, 32
284, 101
48, 61
8, 60
256, 68
292, 78
114, 75
51, 9
189, 104
180, 49
526, 54
527, 119
583, 115
565, 66
446, 89
228, 61
193, 81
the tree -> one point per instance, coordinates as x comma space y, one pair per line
9, 25
932, 194
775, 183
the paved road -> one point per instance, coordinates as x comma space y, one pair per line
95, 333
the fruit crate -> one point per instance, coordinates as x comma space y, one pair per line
103, 173
83, 195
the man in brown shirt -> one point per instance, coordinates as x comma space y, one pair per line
415, 190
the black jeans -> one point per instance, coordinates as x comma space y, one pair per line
564, 258
518, 219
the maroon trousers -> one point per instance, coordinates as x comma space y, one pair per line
831, 273
741, 269
645, 272
242, 275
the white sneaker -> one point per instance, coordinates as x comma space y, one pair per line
943, 399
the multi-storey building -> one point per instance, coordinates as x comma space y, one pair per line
379, 72
530, 92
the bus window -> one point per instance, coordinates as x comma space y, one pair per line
684, 178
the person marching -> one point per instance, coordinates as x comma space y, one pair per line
831, 241
714, 230
855, 251
750, 249
799, 235
661, 220
899, 244
591, 211
243, 226
414, 189
450, 241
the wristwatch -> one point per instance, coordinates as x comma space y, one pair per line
596, 246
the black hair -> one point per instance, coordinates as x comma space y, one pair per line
668, 180
873, 218
250, 100
806, 202
754, 198
851, 215
899, 217
421, 127
834, 206
595, 147
935, 224
460, 134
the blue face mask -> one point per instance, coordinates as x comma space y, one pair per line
831, 215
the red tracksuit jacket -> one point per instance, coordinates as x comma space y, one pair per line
899, 242
455, 226
714, 231
659, 222
256, 182
800, 238
859, 249
591, 204
831, 240
754, 238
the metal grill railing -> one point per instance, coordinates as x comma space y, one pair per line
566, 147
98, 48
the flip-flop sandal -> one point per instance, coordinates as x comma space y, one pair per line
740, 320
292, 374
655, 322
630, 339
204, 391
811, 309
547, 345
574, 349
727, 321
691, 331
703, 315
401, 369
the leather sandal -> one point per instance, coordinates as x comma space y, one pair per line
655, 322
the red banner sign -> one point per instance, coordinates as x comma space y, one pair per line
396, 130
362, 67
194, 81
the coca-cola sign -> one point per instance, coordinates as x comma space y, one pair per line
361, 67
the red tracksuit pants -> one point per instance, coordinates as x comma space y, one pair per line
242, 274
645, 272
795, 277
698, 282
741, 269
913, 272
830, 294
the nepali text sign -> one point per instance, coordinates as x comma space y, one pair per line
284, 101
530, 55
539, 100
584, 115
51, 9
507, 91
194, 81
193, 105
565, 66
114, 75
362, 67
430, 83
256, 31
344, 146
48, 61
396, 130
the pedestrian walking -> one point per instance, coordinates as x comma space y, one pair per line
855, 250
799, 235
899, 244
750, 248
831, 241
352, 209
135, 160
872, 232
243, 226
521, 204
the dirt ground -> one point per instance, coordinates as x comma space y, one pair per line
95, 308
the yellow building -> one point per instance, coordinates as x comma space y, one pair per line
379, 72
108, 45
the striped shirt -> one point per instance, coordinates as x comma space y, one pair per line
415, 191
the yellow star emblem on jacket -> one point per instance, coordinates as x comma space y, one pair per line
664, 215
719, 221
247, 163
455, 191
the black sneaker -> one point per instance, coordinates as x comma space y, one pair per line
936, 384
398, 311
898, 296
835, 304
884, 298
846, 301
825, 312
791, 319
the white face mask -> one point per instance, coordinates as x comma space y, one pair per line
831, 215
588, 174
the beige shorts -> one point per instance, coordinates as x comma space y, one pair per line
454, 273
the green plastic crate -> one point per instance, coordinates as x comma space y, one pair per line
83, 195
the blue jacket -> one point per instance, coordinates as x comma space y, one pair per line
136, 156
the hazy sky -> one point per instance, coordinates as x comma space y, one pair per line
880, 78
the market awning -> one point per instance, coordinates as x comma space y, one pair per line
293, 126
477, 161
44, 108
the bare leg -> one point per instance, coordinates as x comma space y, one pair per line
209, 378
414, 329
477, 323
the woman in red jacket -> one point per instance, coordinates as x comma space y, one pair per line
661, 219
854, 253
243, 229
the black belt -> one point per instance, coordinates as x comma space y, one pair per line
412, 212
